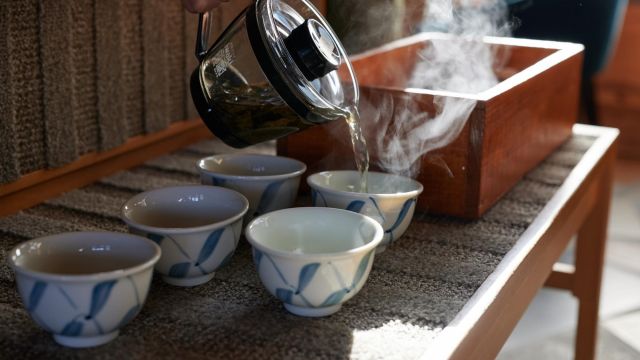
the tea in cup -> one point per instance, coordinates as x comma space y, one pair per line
84, 286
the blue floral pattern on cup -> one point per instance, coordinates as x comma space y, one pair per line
269, 182
82, 319
274, 195
207, 261
293, 293
268, 198
370, 207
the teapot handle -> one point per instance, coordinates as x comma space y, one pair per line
202, 39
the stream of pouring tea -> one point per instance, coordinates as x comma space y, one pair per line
400, 131
359, 144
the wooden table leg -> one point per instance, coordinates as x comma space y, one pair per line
590, 249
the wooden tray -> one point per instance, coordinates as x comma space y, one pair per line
514, 125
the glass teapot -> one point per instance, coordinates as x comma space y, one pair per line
276, 69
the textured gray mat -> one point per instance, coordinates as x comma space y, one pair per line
415, 288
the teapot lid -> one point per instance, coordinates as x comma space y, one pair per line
302, 58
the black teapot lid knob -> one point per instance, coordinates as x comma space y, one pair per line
313, 49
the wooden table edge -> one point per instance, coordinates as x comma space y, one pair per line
483, 325
41, 185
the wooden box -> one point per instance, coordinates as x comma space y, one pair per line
514, 125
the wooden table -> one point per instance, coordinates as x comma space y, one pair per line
580, 206
476, 327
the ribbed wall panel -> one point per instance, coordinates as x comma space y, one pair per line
80, 76
22, 135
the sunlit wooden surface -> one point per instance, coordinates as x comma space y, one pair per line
580, 206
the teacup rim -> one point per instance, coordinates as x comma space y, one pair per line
371, 245
102, 275
302, 168
185, 230
412, 193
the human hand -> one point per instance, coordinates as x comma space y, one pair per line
201, 6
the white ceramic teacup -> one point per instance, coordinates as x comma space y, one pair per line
198, 228
268, 182
391, 199
313, 259
84, 286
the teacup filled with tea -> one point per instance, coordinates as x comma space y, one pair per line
84, 286
198, 228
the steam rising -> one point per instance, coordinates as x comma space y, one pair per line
464, 66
